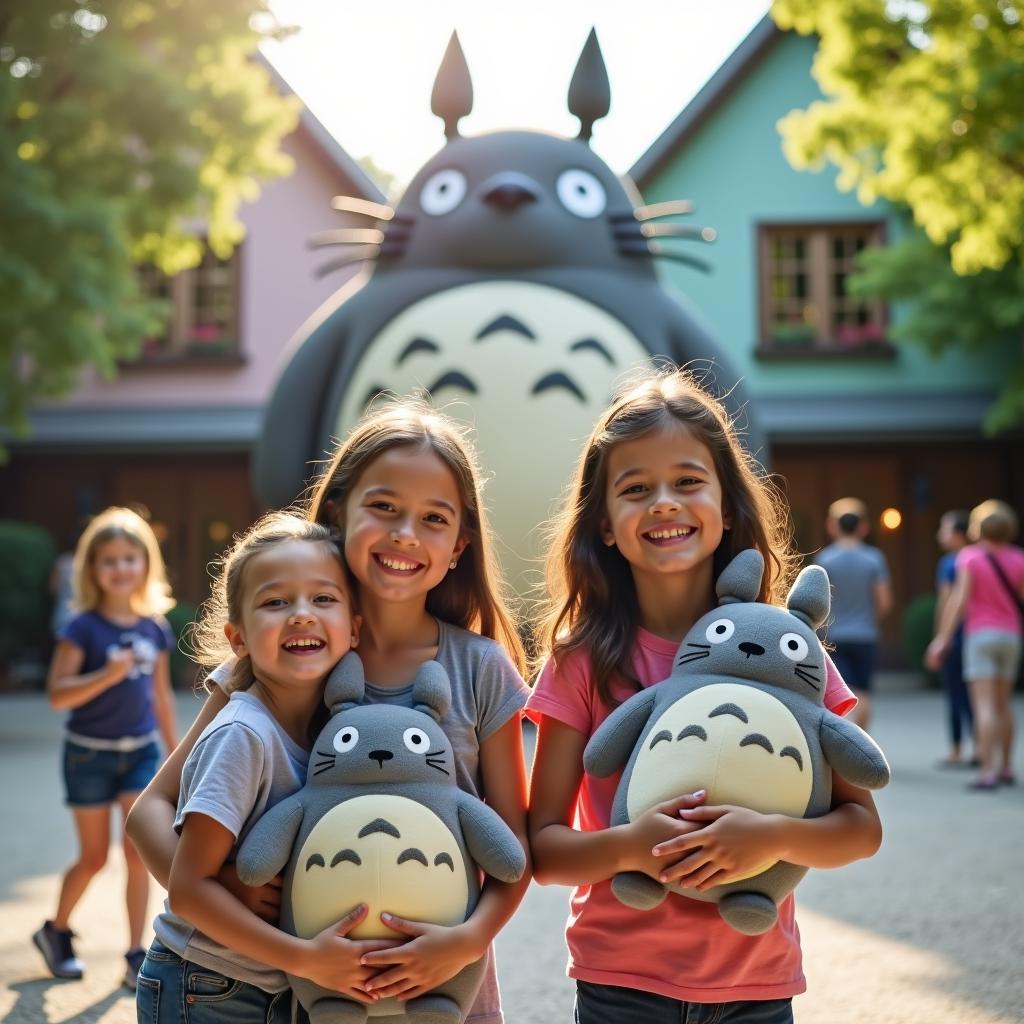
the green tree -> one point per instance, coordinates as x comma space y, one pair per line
923, 107
126, 123
979, 313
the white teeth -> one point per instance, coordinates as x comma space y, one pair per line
304, 643
667, 534
394, 563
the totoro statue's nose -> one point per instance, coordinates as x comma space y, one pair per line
380, 756
746, 647
509, 191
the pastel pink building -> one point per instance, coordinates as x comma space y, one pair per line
175, 429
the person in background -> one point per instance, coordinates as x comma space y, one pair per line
861, 598
988, 597
952, 538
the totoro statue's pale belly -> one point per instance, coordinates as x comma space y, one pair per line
730, 760
536, 398
387, 876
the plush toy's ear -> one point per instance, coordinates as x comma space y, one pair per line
809, 599
431, 692
452, 97
346, 685
741, 578
590, 95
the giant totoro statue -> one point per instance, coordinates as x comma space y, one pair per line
514, 281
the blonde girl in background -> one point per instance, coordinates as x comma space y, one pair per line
282, 606
111, 671
402, 489
663, 497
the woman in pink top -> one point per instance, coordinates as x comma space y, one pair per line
988, 596
663, 498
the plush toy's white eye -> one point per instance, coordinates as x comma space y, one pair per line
346, 739
443, 192
416, 740
581, 193
793, 646
720, 630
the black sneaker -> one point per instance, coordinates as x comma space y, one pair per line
133, 959
59, 954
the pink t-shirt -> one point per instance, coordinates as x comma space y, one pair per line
681, 949
989, 606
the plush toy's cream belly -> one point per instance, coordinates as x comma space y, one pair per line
436, 891
732, 771
528, 425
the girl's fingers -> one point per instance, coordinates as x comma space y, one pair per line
703, 813
400, 924
683, 869
389, 983
384, 957
350, 920
718, 878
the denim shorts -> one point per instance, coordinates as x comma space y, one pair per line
609, 1004
94, 778
992, 654
175, 991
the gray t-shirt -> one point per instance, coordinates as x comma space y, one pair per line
487, 692
241, 765
853, 570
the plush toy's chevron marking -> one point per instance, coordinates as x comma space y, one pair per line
394, 832
744, 720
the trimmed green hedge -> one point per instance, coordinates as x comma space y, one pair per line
918, 630
183, 669
27, 554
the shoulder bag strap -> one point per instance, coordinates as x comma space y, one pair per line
1004, 579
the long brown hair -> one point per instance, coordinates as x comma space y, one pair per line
591, 596
206, 641
471, 595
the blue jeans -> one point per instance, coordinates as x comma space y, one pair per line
609, 1004
174, 991
94, 778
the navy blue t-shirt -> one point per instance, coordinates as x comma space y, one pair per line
126, 709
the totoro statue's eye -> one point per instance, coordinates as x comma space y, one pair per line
443, 192
346, 739
719, 631
793, 646
581, 193
416, 740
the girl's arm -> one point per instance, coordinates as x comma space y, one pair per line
952, 616
67, 689
329, 959
163, 702
436, 953
150, 823
564, 856
736, 840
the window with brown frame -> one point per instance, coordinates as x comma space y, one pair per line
203, 320
804, 304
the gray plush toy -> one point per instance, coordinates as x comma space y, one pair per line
742, 716
381, 821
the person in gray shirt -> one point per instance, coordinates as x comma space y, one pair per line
861, 597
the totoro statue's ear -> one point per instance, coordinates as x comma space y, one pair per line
431, 692
590, 95
809, 599
452, 97
346, 685
741, 578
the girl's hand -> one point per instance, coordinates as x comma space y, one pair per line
334, 961
263, 900
935, 654
737, 841
657, 825
119, 663
433, 955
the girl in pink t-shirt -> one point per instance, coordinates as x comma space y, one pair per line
663, 497
988, 597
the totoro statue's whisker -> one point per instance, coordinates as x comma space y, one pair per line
678, 231
358, 256
363, 207
671, 208
347, 236
663, 254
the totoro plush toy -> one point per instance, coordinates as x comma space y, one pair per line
381, 821
742, 716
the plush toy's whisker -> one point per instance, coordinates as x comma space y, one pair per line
685, 659
360, 255
435, 753
693, 643
325, 753
326, 768
438, 766
346, 236
635, 249
807, 678
672, 208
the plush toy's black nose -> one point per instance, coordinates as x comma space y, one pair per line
746, 647
380, 756
509, 191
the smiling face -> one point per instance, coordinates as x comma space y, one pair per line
664, 503
402, 523
119, 569
296, 614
